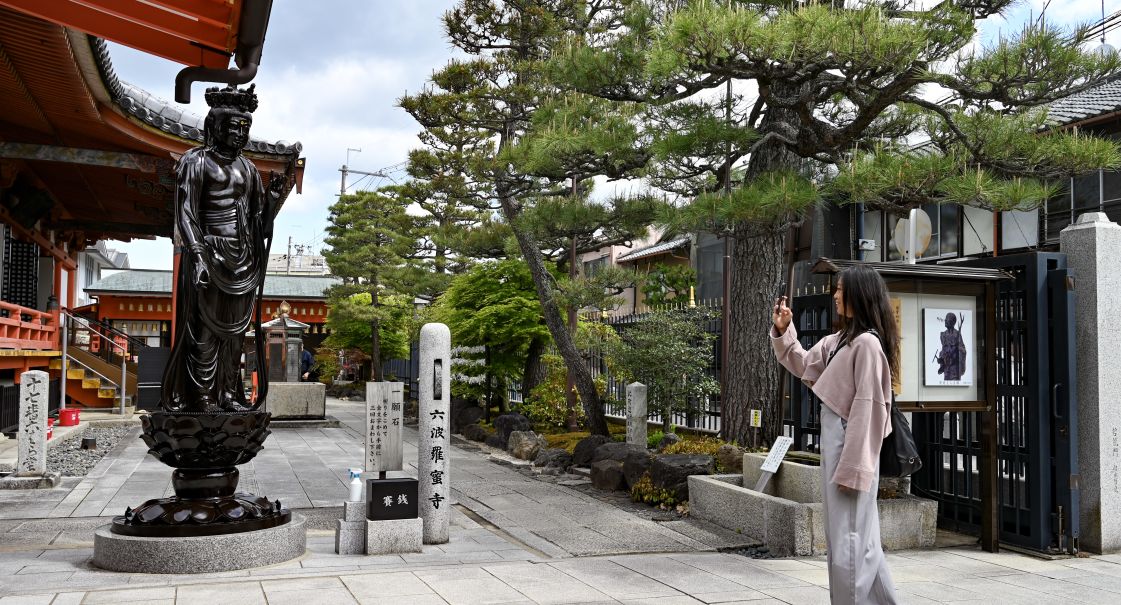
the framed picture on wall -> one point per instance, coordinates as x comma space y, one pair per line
949, 347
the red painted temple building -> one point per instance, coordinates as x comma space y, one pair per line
85, 156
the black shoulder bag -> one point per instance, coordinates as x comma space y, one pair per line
899, 455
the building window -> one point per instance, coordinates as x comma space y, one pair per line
945, 230
594, 266
1098, 191
710, 267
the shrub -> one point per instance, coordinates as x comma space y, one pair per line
654, 439
702, 445
645, 491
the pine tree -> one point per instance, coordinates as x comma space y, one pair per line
496, 93
371, 240
840, 88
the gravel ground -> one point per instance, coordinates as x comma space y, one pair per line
70, 460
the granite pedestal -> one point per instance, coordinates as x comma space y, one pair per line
1093, 249
200, 554
303, 400
350, 531
394, 537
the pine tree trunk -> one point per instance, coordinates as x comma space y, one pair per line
566, 346
758, 267
534, 372
753, 373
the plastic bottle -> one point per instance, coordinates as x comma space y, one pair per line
355, 484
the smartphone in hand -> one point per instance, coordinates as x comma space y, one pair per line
780, 292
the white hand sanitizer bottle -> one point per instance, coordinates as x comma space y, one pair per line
355, 484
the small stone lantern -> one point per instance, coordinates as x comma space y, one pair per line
284, 342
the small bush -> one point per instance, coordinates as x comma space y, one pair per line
702, 445
645, 491
653, 440
568, 441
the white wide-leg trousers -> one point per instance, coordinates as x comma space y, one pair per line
858, 573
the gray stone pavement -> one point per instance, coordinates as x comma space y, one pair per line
514, 539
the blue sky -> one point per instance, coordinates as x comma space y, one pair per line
331, 74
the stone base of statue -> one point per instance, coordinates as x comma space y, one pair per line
207, 525
204, 449
200, 554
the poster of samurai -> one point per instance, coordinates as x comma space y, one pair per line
949, 346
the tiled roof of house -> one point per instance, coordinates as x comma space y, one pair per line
654, 250
1091, 103
155, 282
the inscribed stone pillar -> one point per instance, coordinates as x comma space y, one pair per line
636, 414
33, 400
1093, 249
384, 447
433, 454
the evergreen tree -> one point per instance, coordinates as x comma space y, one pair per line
494, 305
371, 240
839, 88
494, 96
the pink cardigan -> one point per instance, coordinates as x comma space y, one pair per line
857, 386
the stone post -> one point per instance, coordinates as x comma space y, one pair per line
435, 431
33, 401
636, 414
1093, 249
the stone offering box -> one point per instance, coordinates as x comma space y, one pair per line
788, 517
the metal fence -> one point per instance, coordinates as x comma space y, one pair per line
9, 405
701, 415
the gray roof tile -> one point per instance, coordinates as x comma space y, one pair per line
154, 282
654, 250
162, 114
1091, 103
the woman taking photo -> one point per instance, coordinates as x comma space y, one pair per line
850, 371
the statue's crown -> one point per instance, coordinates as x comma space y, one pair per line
232, 97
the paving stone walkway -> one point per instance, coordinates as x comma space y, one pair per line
514, 539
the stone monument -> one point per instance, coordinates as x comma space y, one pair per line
206, 426
290, 398
31, 465
1093, 249
636, 414
435, 431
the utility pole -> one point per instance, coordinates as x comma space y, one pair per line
288, 257
345, 169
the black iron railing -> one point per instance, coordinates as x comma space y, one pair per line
9, 405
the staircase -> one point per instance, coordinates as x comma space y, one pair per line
93, 383
94, 377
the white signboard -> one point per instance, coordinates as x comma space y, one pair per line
384, 409
777, 453
756, 418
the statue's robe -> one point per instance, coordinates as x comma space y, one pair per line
211, 321
952, 355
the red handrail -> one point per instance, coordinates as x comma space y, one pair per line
28, 329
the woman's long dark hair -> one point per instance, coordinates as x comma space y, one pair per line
866, 295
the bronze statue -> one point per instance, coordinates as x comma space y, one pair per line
223, 229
